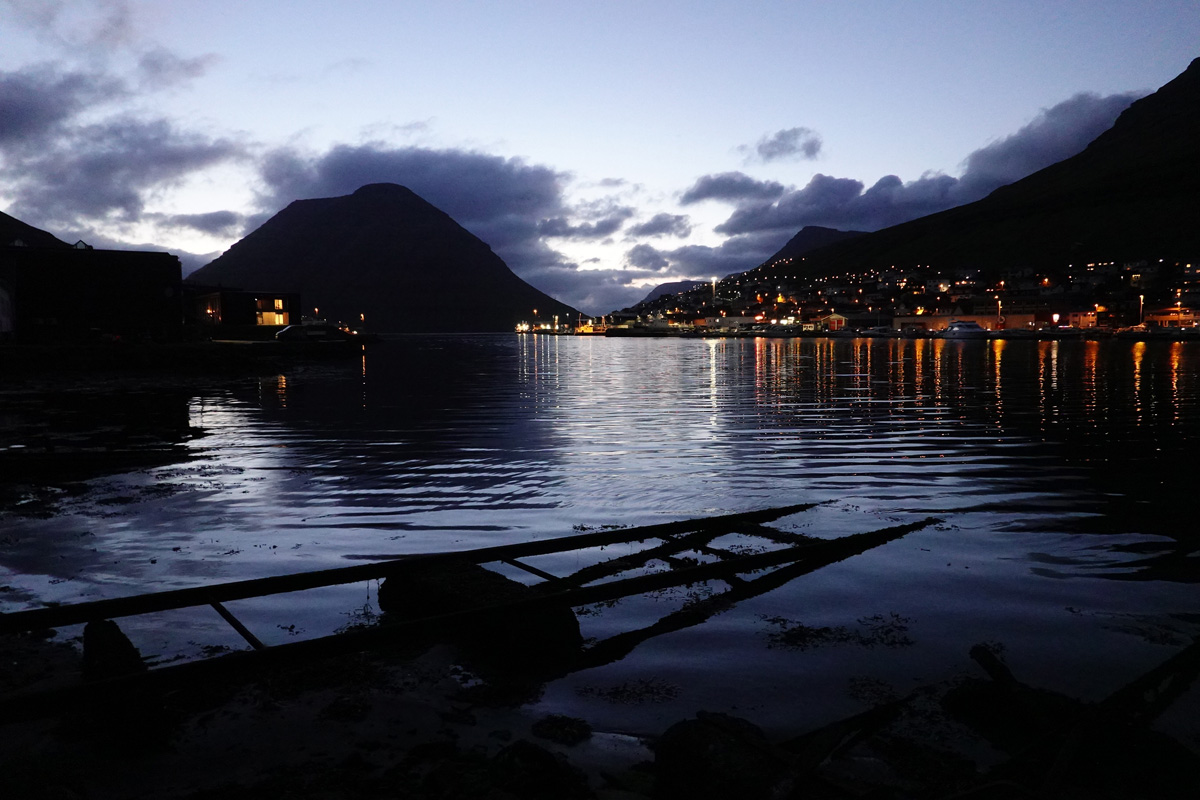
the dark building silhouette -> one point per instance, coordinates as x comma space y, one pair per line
70, 294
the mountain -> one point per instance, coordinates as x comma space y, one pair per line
12, 230
385, 253
1133, 193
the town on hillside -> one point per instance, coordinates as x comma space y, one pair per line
786, 297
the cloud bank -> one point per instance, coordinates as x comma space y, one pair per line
846, 203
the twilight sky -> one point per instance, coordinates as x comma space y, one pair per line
600, 148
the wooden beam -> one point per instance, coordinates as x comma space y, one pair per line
819, 554
79, 613
238, 626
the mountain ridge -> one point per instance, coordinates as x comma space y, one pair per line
1132, 192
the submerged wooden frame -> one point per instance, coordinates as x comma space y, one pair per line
798, 555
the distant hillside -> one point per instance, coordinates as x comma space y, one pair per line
12, 230
387, 254
675, 287
1133, 192
812, 237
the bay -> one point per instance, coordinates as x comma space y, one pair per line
1060, 472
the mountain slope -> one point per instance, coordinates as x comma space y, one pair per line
812, 237
13, 230
1134, 192
385, 253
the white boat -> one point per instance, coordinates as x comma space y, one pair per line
964, 329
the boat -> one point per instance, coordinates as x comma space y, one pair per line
964, 329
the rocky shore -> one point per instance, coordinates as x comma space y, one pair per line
421, 721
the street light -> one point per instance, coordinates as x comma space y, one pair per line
1141, 305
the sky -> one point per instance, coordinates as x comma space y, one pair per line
600, 148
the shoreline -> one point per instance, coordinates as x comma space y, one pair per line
411, 722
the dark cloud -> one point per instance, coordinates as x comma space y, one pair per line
593, 291
644, 256
801, 143
64, 174
736, 254
500, 200
162, 69
663, 224
559, 227
106, 170
37, 100
1057, 133
600, 219
733, 187
98, 25
215, 223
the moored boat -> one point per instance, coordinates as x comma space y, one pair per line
964, 329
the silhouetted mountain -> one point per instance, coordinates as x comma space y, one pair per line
812, 237
385, 253
1133, 193
12, 230
675, 287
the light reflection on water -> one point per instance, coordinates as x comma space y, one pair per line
1056, 467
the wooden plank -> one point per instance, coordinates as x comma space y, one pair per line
237, 625
79, 613
241, 663
532, 570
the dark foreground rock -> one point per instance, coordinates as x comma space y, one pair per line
717, 756
108, 653
529, 640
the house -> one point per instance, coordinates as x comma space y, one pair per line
72, 294
238, 310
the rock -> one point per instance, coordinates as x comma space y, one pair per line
532, 772
562, 729
525, 639
717, 756
108, 653
520, 771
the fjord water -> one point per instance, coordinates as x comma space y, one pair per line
1061, 475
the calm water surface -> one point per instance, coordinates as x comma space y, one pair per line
1062, 474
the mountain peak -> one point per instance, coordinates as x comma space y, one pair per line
374, 190
386, 253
